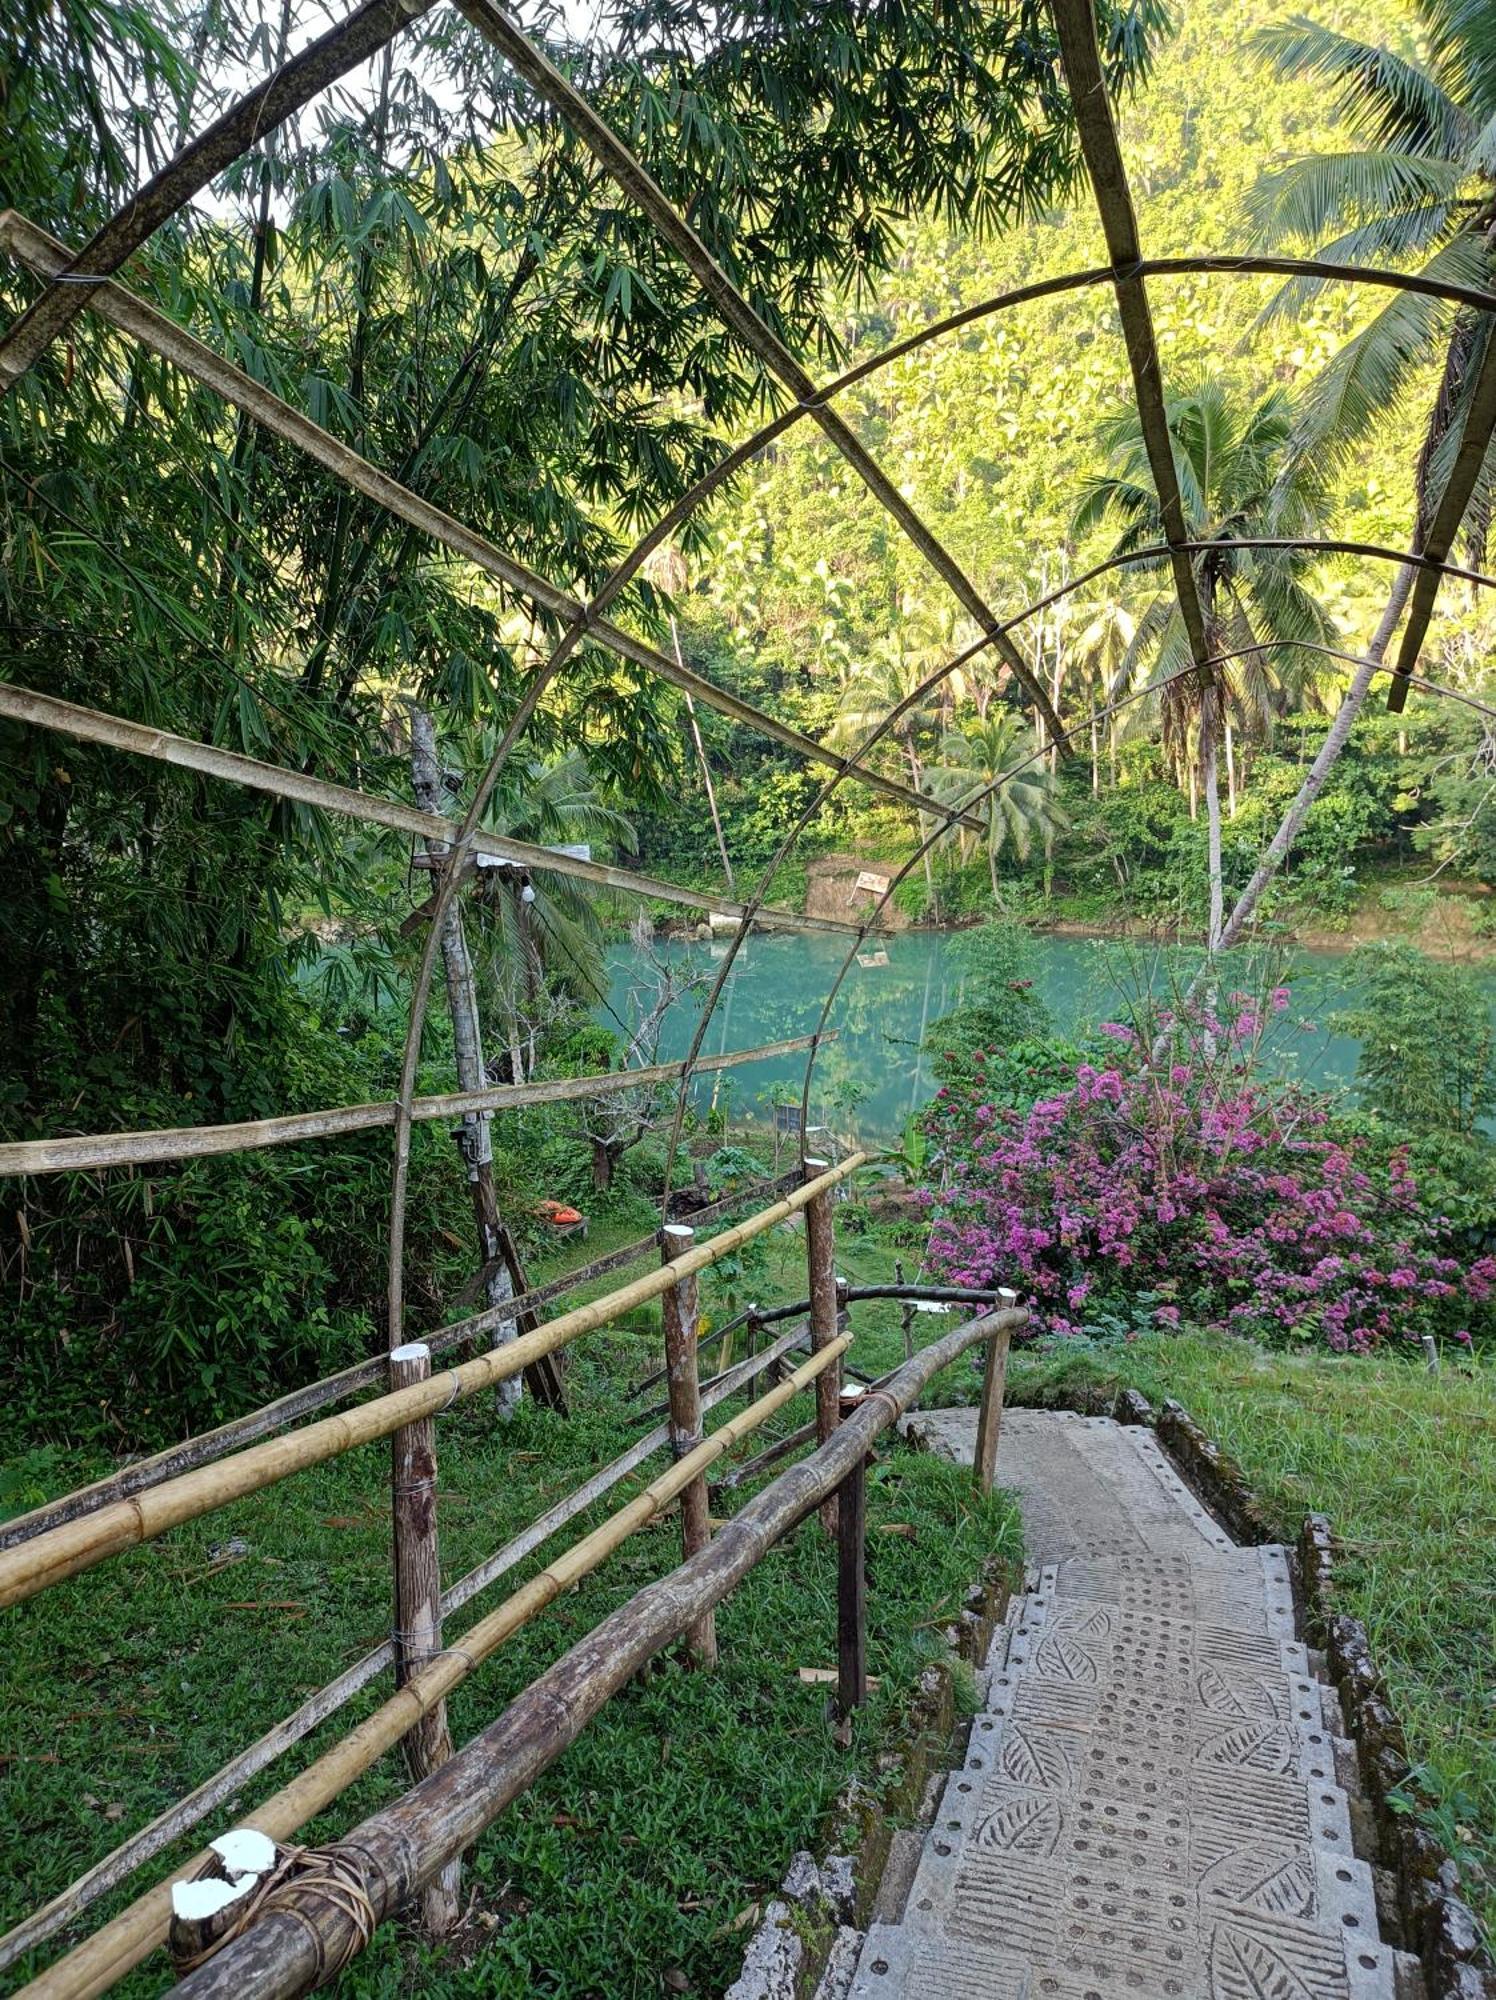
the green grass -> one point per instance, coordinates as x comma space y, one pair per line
1404, 1464
637, 1856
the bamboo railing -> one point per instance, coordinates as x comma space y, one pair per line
54, 1552
391, 1856
63, 1551
405, 1717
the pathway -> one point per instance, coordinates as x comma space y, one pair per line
1148, 1809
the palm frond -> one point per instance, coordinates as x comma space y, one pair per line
1392, 202
1386, 99
1462, 43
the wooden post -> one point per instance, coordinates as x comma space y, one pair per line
851, 1586
906, 1313
820, 1257
994, 1382
475, 1135
418, 1594
678, 1309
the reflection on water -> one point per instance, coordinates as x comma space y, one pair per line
873, 1076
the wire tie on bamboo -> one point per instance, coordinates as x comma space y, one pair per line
299, 1872
682, 1446
866, 1396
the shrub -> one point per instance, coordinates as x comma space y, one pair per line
1428, 1051
1233, 1202
1000, 1003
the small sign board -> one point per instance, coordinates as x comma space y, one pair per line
875, 885
786, 1117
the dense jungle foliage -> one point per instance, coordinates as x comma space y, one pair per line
434, 269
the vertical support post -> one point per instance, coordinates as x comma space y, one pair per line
418, 1590
851, 1591
994, 1384
679, 1310
820, 1257
906, 1313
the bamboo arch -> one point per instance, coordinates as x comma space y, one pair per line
85, 279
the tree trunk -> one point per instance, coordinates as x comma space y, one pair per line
1336, 738
1230, 771
602, 1165
467, 1041
992, 871
1095, 761
1211, 785
706, 769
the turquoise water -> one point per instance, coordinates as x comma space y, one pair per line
873, 1076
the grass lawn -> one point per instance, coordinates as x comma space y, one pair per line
632, 1867
1404, 1463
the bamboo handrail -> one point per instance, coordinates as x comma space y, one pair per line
299, 1403
76, 1154
132, 1853
64, 1551
112, 1951
312, 1396
401, 1846
115, 732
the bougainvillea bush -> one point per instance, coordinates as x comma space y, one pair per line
1167, 1169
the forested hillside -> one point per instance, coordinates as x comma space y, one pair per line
807, 601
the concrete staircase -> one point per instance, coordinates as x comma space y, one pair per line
1151, 1806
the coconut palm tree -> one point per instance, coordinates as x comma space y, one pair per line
1101, 650
991, 764
1418, 183
1230, 463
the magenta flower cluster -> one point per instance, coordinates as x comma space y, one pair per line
1232, 1200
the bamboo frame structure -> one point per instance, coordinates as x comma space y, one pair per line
64, 1551
92, 1151
122, 1944
1081, 61
38, 252
259, 112
109, 1517
116, 733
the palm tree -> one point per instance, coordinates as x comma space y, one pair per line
1419, 183
1416, 184
1230, 462
992, 764
1102, 649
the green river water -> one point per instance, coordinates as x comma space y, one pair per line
873, 1076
